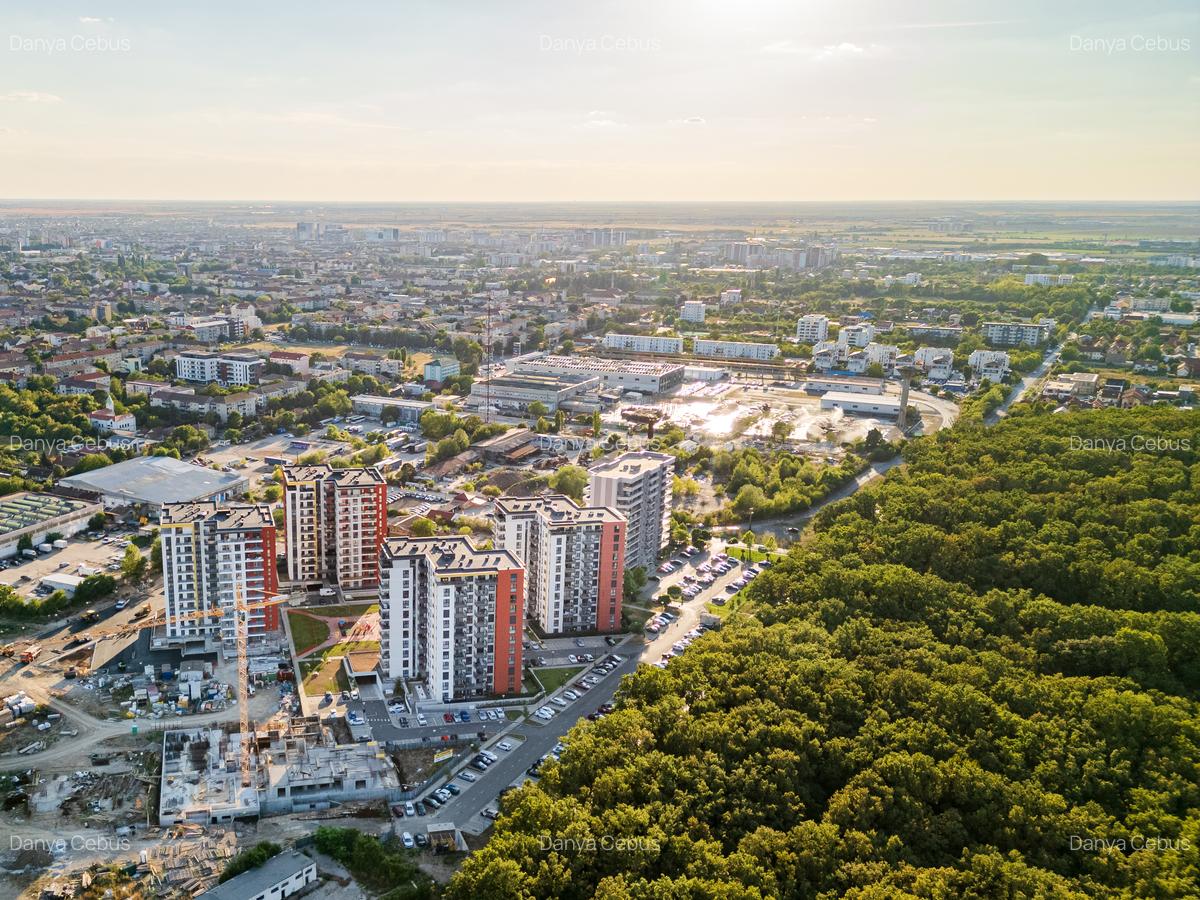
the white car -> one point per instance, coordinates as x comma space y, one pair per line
467, 776
504, 745
408, 841
571, 695
495, 714
560, 702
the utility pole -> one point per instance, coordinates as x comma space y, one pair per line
906, 374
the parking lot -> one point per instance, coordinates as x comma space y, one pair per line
527, 742
103, 556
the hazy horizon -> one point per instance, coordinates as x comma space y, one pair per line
540, 102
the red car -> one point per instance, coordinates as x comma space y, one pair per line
447, 718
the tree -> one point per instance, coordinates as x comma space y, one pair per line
570, 480
248, 859
748, 541
423, 527
538, 409
98, 522
24, 542
634, 581
133, 565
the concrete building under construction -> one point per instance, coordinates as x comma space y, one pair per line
298, 768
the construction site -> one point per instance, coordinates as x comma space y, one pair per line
120, 754
216, 776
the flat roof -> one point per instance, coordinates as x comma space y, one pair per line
633, 463
452, 555
236, 517
22, 510
261, 879
391, 401
155, 479
859, 399
559, 509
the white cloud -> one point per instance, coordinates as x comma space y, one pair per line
89, 20
690, 120
843, 50
600, 120
978, 23
29, 97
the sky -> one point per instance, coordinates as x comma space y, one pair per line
557, 101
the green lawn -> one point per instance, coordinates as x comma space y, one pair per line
344, 647
735, 605
307, 632
321, 675
552, 679
344, 611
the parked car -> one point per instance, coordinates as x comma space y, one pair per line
407, 840
505, 746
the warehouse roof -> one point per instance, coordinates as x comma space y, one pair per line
156, 479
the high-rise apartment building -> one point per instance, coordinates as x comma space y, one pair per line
574, 560
638, 485
451, 616
216, 558
336, 521
812, 328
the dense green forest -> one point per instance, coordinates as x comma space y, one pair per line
975, 679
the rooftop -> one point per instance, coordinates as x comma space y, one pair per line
354, 477
633, 464
236, 517
156, 479
261, 879
558, 508
450, 555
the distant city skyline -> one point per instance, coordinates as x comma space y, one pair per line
673, 100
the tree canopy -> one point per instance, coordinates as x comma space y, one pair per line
977, 678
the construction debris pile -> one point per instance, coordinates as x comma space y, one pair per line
162, 691
18, 725
185, 861
93, 798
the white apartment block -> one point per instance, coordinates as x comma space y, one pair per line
693, 311
226, 369
639, 486
1048, 280
812, 328
730, 297
574, 559
216, 558
734, 349
857, 335
990, 364
643, 343
1015, 334
336, 522
936, 362
451, 616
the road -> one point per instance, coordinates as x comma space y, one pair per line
1026, 384
532, 740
